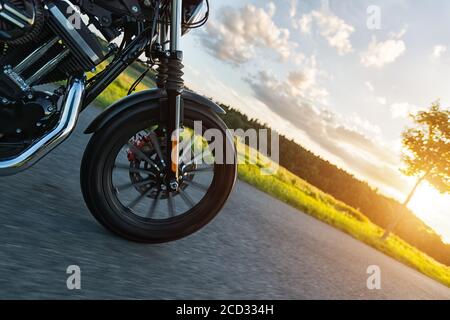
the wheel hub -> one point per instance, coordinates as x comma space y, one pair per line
158, 180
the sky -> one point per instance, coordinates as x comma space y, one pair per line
339, 77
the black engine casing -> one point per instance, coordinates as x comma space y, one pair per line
62, 21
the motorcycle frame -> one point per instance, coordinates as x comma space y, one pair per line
79, 95
137, 47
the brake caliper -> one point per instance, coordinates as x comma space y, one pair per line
140, 144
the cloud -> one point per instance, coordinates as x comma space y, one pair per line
305, 24
237, 34
271, 9
297, 58
293, 8
402, 110
304, 82
334, 29
365, 125
370, 86
382, 100
438, 51
326, 129
381, 53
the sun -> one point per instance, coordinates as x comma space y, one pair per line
433, 208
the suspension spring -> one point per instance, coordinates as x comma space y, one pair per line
174, 81
161, 73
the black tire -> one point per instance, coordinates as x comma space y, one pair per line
96, 179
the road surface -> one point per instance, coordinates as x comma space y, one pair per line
257, 248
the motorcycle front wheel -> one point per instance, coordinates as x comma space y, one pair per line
123, 176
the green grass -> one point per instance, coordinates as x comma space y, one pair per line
296, 192
119, 88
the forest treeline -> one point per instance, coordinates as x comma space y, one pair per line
345, 187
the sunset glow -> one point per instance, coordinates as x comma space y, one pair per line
433, 208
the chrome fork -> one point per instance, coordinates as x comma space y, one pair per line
174, 88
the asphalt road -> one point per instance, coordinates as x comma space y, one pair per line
257, 248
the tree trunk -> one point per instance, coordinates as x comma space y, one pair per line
399, 217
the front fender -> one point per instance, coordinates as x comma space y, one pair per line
147, 96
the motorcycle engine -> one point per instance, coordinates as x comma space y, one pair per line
68, 46
40, 44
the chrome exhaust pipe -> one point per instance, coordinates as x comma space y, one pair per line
72, 104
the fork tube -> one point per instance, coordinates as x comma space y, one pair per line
175, 25
161, 75
174, 87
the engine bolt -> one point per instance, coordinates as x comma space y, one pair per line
18, 131
135, 9
173, 185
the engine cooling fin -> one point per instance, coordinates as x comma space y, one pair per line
12, 34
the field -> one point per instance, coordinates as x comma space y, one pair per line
294, 191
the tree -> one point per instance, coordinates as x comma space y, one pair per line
426, 153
